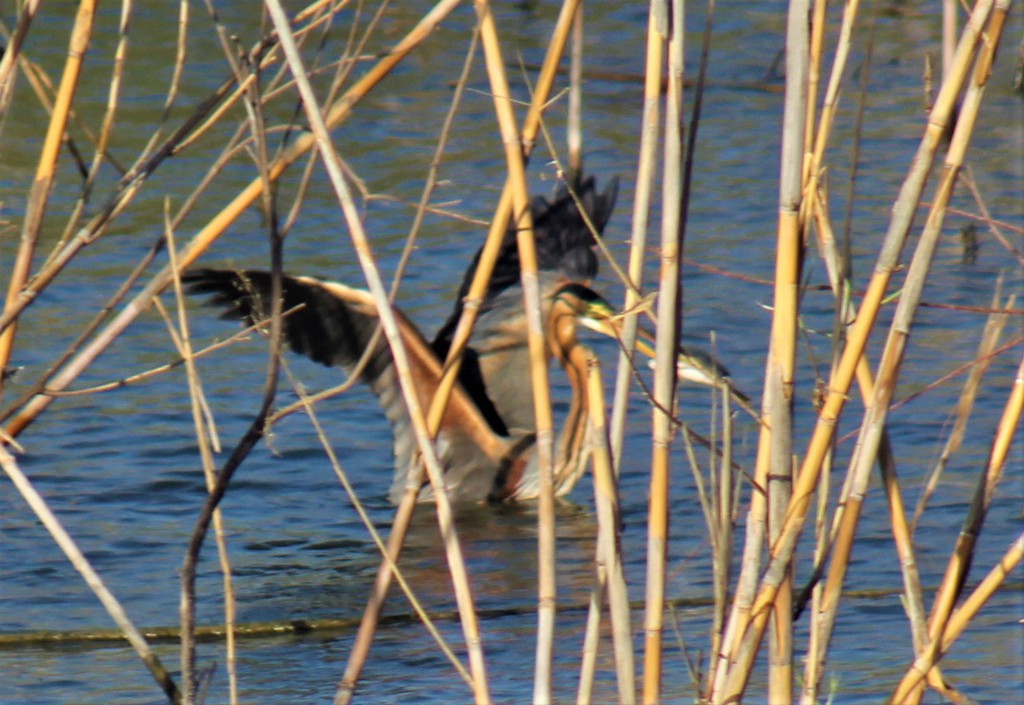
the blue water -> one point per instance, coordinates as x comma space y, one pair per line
121, 468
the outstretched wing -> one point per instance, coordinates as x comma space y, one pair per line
333, 324
565, 245
327, 322
495, 366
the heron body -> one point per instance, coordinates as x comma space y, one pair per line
486, 441
333, 324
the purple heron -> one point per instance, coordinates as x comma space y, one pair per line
486, 442
486, 439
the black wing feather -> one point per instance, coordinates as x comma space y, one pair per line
564, 244
318, 324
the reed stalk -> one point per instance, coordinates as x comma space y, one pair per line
913, 595
818, 140
606, 498
666, 352
420, 611
205, 440
500, 221
12, 52
38, 197
962, 555
778, 403
74, 554
592, 632
925, 663
106, 129
547, 588
574, 117
407, 506
361, 244
217, 486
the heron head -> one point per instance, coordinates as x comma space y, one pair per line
586, 306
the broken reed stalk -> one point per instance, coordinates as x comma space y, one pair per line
38, 197
666, 352
471, 306
606, 499
61, 537
456, 564
204, 435
743, 640
216, 227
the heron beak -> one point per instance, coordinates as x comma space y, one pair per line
692, 364
604, 320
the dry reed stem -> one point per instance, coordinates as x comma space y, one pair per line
106, 128
546, 578
646, 168
456, 564
215, 228
970, 607
819, 140
778, 403
127, 188
61, 537
204, 440
666, 354
592, 633
12, 51
217, 489
816, 36
742, 644
960, 559
773, 469
574, 117
606, 498
407, 506
45, 91
925, 663
913, 595
39, 194
499, 223
983, 358
727, 495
